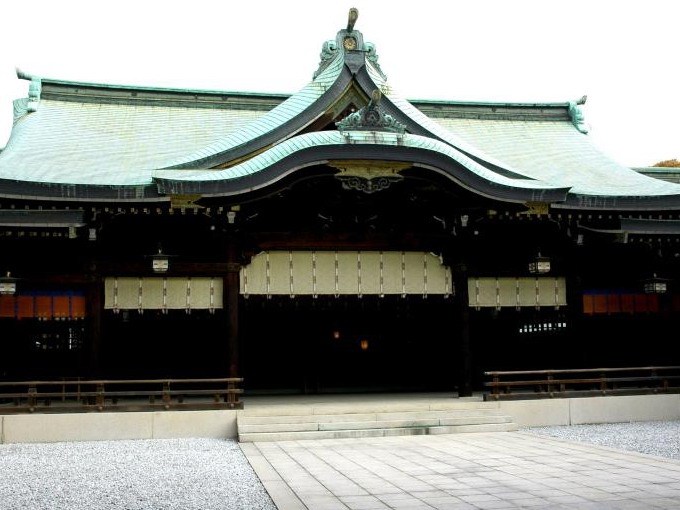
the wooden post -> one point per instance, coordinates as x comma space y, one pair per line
574, 314
231, 295
462, 325
95, 303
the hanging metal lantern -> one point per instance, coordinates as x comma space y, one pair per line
540, 265
655, 285
8, 284
160, 262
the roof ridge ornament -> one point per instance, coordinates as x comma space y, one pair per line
371, 118
34, 90
329, 49
372, 57
577, 116
352, 18
350, 41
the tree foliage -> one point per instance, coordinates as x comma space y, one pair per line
674, 163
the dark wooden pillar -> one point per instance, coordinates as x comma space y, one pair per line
231, 298
462, 327
577, 331
95, 304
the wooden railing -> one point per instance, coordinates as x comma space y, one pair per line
525, 384
119, 395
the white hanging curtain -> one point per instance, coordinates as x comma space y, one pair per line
154, 293
517, 292
345, 273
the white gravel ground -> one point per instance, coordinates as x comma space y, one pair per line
659, 438
208, 474
182, 474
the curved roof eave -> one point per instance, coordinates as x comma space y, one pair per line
580, 201
304, 107
285, 120
320, 147
310, 149
63, 192
417, 122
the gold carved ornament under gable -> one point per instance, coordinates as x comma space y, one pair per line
185, 201
537, 208
369, 169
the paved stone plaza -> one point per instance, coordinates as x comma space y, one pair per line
485, 470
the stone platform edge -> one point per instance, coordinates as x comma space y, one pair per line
41, 428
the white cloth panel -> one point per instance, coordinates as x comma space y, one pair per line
200, 293
128, 293
154, 293
348, 274
561, 290
546, 292
176, 289
345, 273
325, 273
483, 292
370, 272
392, 273
279, 272
254, 277
517, 292
414, 271
109, 294
507, 290
527, 291
303, 274
438, 276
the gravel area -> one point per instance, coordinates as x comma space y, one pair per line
209, 474
659, 438
165, 474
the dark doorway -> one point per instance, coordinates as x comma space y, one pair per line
347, 344
153, 344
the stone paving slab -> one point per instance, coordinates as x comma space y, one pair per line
461, 471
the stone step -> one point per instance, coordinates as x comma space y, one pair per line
247, 418
366, 408
475, 420
323, 424
346, 419
380, 432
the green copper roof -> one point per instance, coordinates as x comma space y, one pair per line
284, 112
262, 161
114, 136
556, 152
143, 88
111, 144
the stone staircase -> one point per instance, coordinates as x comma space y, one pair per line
295, 422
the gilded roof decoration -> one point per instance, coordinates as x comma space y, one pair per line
368, 176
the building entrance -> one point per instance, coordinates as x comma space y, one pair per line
347, 344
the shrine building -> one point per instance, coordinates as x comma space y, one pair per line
339, 239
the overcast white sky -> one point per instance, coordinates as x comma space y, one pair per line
623, 54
